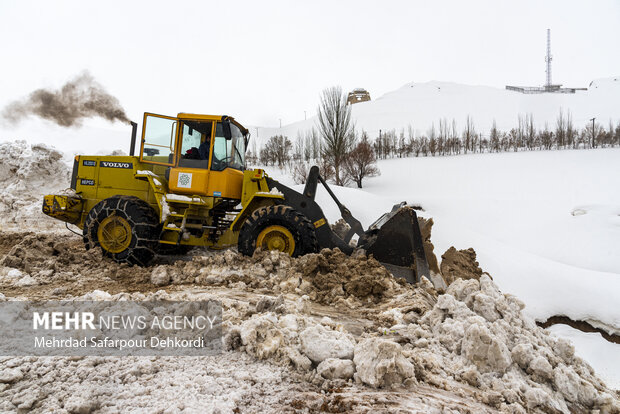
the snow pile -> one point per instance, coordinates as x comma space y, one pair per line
27, 172
477, 335
474, 336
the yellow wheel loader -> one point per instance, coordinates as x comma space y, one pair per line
189, 187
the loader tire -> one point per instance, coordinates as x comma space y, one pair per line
126, 229
277, 227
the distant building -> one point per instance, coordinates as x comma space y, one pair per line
358, 95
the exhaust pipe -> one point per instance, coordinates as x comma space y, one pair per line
134, 129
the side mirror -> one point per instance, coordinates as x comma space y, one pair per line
226, 128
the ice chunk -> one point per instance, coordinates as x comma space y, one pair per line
381, 363
320, 343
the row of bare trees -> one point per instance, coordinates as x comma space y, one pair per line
447, 140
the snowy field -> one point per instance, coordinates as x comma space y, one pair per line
545, 225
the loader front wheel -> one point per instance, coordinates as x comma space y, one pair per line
277, 228
126, 229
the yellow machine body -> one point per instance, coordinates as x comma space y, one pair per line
197, 200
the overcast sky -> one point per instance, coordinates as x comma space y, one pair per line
262, 61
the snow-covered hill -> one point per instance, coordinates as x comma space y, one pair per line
423, 104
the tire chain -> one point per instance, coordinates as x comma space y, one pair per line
144, 228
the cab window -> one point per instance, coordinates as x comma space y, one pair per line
195, 144
228, 153
159, 133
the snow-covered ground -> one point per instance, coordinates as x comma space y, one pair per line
545, 225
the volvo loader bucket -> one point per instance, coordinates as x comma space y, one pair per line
395, 240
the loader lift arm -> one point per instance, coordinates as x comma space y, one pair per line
394, 239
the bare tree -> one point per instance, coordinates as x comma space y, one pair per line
454, 143
572, 135
424, 145
494, 138
402, 144
530, 131
277, 150
504, 142
300, 172
469, 135
307, 137
393, 142
517, 137
444, 131
298, 147
326, 170
432, 141
546, 138
514, 136
336, 128
315, 144
560, 129
361, 163
412, 143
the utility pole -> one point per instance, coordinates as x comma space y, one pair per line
593, 119
280, 122
305, 116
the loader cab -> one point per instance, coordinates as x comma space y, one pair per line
198, 154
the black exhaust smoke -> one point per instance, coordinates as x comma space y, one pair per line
81, 97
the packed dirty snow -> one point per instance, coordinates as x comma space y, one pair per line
326, 320
27, 172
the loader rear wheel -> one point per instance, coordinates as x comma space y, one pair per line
276, 238
277, 228
126, 229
